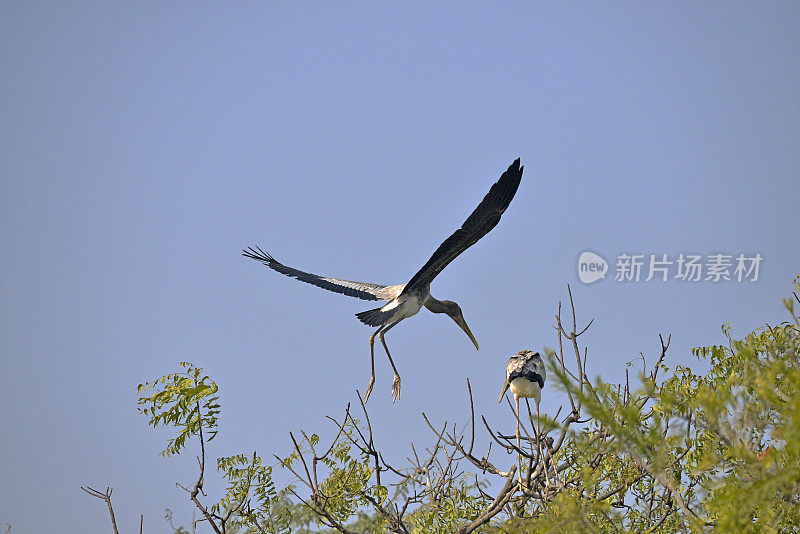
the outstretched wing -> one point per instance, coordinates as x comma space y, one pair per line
362, 290
483, 219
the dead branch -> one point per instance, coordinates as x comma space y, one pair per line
105, 496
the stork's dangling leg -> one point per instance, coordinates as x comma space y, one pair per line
396, 381
372, 362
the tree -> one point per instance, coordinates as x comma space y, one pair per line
676, 451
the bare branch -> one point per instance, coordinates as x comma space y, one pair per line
105, 496
502, 498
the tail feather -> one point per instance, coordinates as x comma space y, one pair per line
375, 317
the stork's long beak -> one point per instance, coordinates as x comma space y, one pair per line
503, 392
463, 324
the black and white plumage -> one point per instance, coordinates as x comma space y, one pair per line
406, 300
525, 376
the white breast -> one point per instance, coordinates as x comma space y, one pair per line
404, 306
525, 388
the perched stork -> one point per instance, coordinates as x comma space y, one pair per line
406, 300
525, 375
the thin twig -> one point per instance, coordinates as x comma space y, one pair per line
105, 496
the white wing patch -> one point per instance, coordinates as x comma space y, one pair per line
392, 305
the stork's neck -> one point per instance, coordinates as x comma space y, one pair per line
435, 305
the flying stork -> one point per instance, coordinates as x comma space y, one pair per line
405, 300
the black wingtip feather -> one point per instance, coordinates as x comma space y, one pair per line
505, 188
257, 254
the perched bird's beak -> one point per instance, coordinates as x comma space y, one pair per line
503, 392
463, 324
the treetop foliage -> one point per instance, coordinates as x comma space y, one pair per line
184, 400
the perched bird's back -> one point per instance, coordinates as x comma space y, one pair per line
525, 375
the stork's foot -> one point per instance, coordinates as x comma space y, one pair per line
395, 388
369, 388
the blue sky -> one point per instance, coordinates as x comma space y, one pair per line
144, 144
